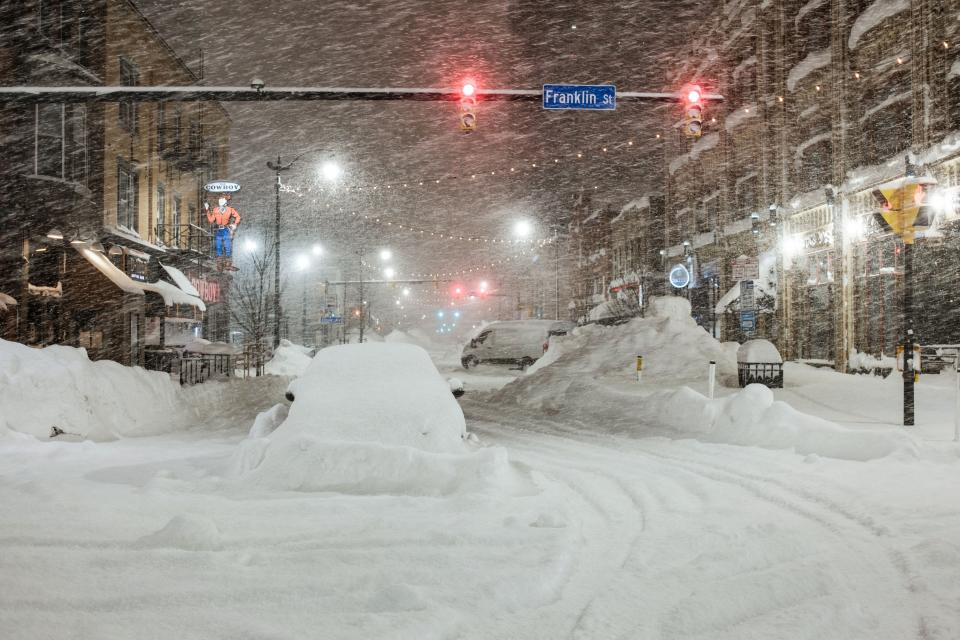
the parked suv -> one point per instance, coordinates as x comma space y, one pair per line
517, 342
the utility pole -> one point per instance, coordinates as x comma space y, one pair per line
278, 167
363, 314
556, 249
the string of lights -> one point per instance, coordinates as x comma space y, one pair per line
474, 269
448, 236
515, 169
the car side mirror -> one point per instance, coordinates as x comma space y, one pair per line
473, 343
458, 392
289, 396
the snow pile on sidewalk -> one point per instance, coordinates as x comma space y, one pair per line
589, 376
370, 418
103, 400
752, 417
288, 360
673, 347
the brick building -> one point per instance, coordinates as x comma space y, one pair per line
102, 241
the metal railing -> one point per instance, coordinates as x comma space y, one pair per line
188, 237
189, 369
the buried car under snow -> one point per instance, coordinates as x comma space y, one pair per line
385, 392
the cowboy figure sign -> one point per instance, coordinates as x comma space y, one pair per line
224, 220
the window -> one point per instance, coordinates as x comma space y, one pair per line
816, 165
61, 142
175, 126
49, 140
161, 212
50, 20
75, 144
161, 123
127, 184
747, 196
175, 223
129, 77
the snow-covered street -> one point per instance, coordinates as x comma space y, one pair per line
599, 536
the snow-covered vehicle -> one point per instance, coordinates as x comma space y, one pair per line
517, 342
362, 391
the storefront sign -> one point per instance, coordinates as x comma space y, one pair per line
818, 239
221, 186
209, 291
745, 268
679, 276
748, 301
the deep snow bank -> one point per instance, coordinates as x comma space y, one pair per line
752, 417
370, 418
673, 347
589, 377
102, 400
289, 359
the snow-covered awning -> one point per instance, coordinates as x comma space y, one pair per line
181, 280
171, 294
6, 301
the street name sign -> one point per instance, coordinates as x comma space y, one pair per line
331, 320
580, 96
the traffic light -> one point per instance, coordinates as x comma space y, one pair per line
693, 113
903, 206
468, 107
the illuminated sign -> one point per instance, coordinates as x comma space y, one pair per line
679, 276
221, 187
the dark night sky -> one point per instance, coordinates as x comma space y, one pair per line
517, 43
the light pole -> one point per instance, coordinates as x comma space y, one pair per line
385, 255
331, 171
303, 264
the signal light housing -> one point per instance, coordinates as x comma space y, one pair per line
693, 112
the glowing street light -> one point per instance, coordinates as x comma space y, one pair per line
249, 245
406, 291
522, 228
302, 263
389, 273
317, 249
385, 254
330, 170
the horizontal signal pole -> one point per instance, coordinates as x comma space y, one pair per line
89, 94
338, 283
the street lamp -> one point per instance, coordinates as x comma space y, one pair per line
278, 167
389, 272
522, 229
385, 254
330, 170
317, 249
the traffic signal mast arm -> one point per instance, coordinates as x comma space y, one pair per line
88, 94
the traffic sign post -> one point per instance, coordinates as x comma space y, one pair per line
580, 96
904, 211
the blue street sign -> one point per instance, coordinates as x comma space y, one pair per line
748, 321
579, 96
331, 320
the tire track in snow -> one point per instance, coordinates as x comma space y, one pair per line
816, 508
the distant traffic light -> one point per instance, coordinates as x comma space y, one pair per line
693, 113
468, 107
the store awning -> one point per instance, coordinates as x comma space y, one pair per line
6, 301
181, 280
171, 294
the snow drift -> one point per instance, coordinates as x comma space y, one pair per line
102, 400
590, 376
289, 359
370, 418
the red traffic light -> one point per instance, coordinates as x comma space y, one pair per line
468, 89
694, 95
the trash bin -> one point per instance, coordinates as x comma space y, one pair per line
759, 362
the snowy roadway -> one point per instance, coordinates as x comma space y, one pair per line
598, 536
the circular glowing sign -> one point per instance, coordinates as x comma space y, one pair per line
679, 276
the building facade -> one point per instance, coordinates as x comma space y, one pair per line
824, 100
103, 241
